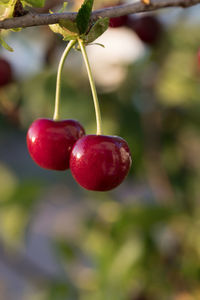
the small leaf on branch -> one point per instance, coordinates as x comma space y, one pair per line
8, 10
69, 25
83, 16
66, 28
5, 45
67, 35
97, 29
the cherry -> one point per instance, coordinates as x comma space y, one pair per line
148, 28
50, 142
100, 162
118, 21
5, 72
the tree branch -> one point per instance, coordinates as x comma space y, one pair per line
32, 19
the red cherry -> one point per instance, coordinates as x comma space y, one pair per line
118, 21
5, 72
50, 142
148, 28
100, 162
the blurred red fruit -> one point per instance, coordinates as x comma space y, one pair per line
5, 72
118, 21
148, 28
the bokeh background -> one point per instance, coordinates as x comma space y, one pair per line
140, 241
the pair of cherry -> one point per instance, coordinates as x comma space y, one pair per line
97, 162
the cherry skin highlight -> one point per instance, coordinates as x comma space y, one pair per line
5, 72
100, 162
50, 142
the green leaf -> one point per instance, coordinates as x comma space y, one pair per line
97, 29
7, 9
69, 25
5, 45
83, 16
67, 35
66, 28
36, 3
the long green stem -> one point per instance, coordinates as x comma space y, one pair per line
58, 81
93, 88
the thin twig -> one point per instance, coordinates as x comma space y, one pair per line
32, 19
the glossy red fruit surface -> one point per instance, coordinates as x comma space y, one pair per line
148, 28
100, 162
50, 142
5, 72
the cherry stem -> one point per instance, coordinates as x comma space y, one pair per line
58, 80
93, 88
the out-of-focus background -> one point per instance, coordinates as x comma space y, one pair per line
140, 241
